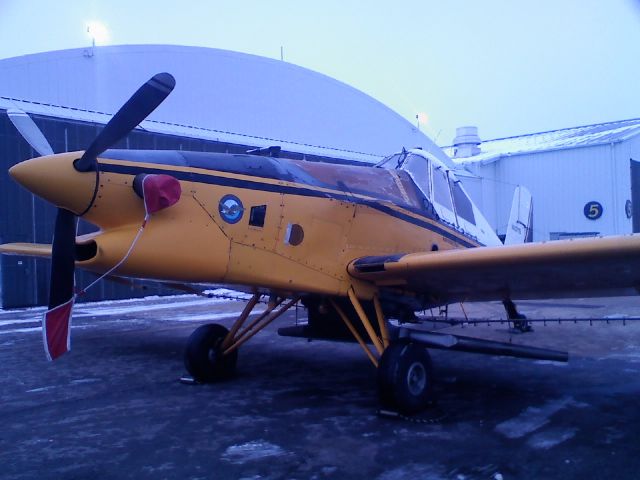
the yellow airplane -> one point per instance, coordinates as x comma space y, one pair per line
358, 245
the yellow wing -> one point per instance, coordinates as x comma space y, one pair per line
27, 249
603, 266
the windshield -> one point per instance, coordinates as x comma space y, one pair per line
437, 183
443, 193
416, 166
389, 185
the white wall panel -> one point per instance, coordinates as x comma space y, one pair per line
561, 183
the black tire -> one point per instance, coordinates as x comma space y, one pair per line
404, 378
203, 357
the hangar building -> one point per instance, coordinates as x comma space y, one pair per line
585, 181
223, 101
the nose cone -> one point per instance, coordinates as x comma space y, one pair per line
54, 179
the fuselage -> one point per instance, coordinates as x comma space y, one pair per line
277, 224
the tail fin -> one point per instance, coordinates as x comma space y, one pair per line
520, 228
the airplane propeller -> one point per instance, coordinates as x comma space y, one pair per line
62, 281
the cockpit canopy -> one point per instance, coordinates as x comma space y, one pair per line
440, 187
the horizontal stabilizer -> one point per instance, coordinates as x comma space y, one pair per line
27, 249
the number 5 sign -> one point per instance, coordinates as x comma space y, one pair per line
593, 210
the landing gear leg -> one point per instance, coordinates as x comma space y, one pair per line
519, 320
404, 368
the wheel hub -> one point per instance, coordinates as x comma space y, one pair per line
416, 378
212, 355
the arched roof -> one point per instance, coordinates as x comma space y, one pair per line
219, 94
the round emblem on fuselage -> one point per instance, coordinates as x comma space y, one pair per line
230, 208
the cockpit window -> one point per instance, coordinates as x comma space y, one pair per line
390, 185
411, 192
448, 195
441, 194
418, 167
464, 207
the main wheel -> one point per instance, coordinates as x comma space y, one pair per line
404, 378
203, 356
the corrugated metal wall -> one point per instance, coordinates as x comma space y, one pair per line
562, 182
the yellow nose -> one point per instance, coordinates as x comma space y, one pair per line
54, 179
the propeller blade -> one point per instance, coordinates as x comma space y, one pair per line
138, 107
56, 322
63, 258
30, 131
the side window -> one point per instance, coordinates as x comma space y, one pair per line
418, 168
464, 207
441, 194
257, 215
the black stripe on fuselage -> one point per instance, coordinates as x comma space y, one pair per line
212, 179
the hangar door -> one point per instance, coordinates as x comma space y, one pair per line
635, 195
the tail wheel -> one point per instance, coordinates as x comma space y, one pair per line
203, 356
404, 378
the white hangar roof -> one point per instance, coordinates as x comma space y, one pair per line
584, 136
219, 95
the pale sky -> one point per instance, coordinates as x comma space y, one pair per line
508, 67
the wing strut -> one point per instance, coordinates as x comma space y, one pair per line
382, 335
354, 332
377, 343
237, 337
380, 341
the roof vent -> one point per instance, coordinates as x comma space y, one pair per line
467, 142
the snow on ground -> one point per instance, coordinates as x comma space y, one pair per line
534, 418
254, 450
550, 438
29, 319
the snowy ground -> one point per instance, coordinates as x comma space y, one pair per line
113, 407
